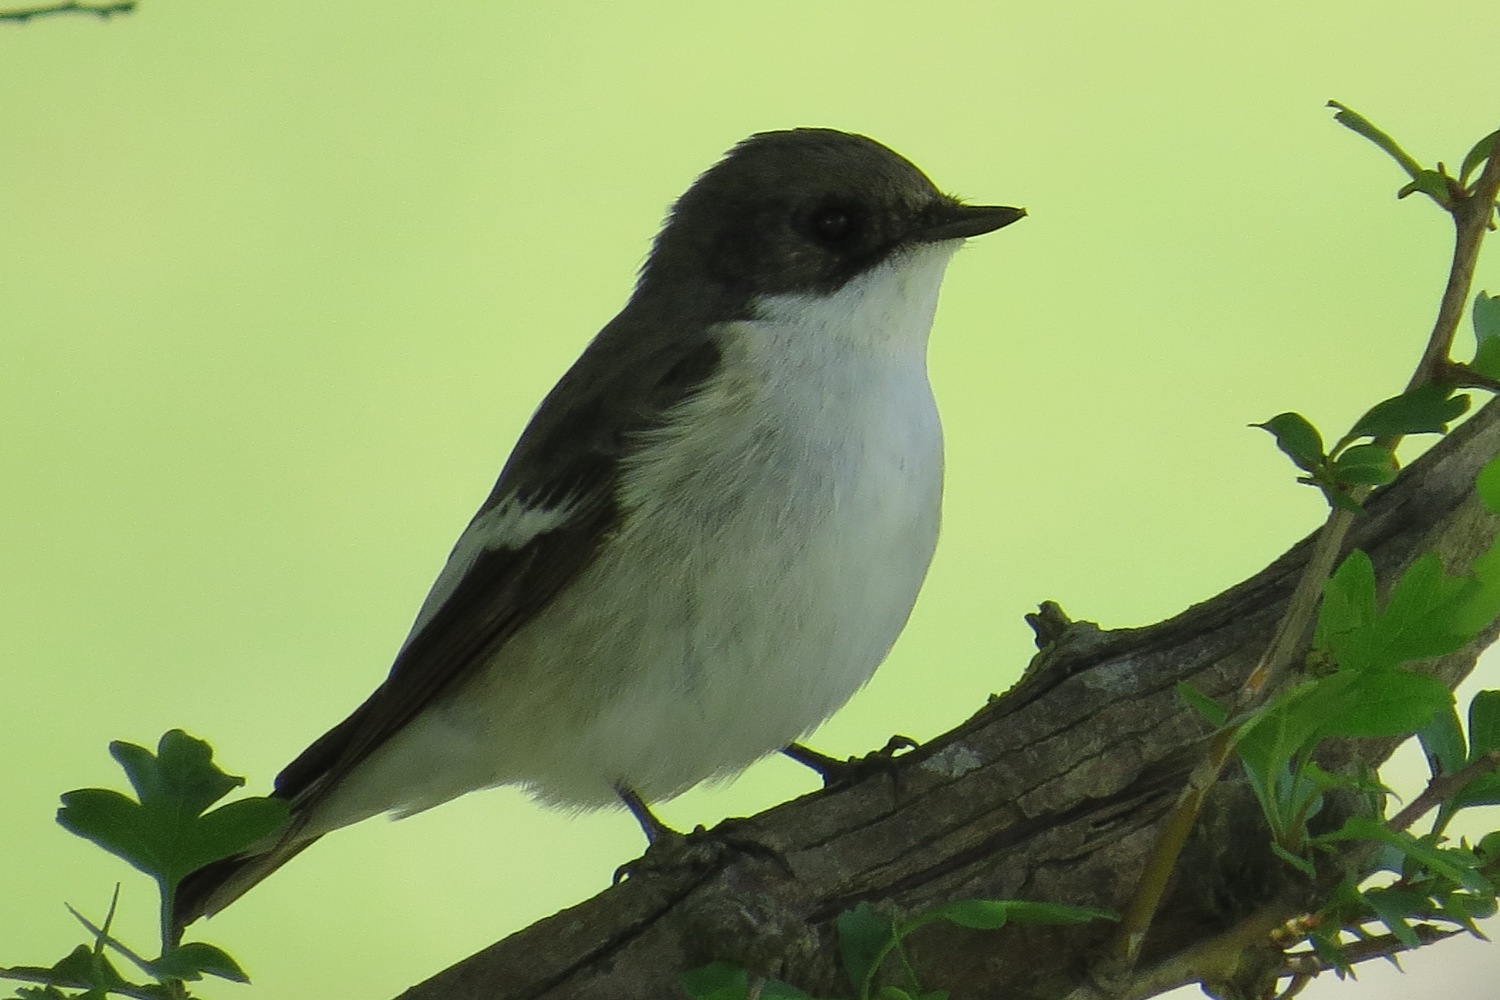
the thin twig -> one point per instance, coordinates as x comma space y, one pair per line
44, 977
1306, 963
1442, 788
1471, 213
104, 11
103, 937
1461, 376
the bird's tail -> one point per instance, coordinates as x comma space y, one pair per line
214, 886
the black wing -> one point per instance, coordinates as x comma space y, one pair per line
569, 456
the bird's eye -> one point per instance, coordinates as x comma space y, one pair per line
833, 225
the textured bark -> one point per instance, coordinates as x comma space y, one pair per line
1052, 792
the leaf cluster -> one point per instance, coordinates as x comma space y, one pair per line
166, 831
1353, 464
1360, 686
870, 939
1436, 184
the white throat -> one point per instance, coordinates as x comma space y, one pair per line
888, 308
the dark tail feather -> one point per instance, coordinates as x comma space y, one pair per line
214, 886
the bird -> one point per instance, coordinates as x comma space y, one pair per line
708, 536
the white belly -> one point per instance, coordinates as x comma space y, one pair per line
758, 613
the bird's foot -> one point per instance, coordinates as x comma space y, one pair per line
836, 771
700, 850
671, 851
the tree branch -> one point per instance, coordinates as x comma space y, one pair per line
1054, 792
1442, 788
1471, 211
1306, 964
104, 11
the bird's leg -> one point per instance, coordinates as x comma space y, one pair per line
836, 771
654, 829
822, 763
669, 849
666, 848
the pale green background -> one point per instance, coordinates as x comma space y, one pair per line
283, 281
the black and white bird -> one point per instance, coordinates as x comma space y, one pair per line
708, 537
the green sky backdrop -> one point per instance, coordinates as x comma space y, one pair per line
283, 282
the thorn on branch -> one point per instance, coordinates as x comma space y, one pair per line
1049, 621
103, 11
1306, 964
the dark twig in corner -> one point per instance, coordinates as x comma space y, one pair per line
105, 11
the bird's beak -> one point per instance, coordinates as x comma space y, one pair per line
949, 220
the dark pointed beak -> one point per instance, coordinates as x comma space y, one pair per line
951, 221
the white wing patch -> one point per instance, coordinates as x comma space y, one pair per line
510, 524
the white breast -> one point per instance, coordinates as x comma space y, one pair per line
776, 535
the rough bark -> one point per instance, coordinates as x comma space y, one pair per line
1052, 792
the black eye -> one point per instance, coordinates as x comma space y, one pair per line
833, 225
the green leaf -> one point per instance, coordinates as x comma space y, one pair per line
1205, 706
1456, 866
80, 969
114, 822
1484, 737
1025, 912
992, 914
1487, 485
1297, 861
39, 992
192, 961
775, 989
1484, 723
1476, 907
1356, 122
1427, 614
1392, 907
1479, 604
1417, 620
1271, 737
1487, 358
1263, 771
1267, 745
1443, 742
978, 914
1381, 703
722, 981
163, 834
1348, 606
1363, 780
1424, 410
1461, 908
864, 937
232, 828
1485, 316
718, 981
1347, 703
1298, 438
1431, 183
1366, 465
181, 773
1476, 156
